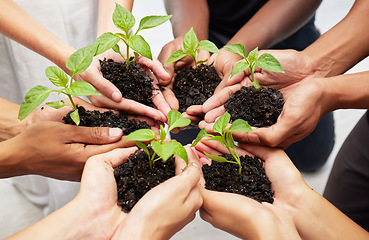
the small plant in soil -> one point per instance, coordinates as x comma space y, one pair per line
128, 77
151, 165
225, 137
259, 106
232, 173
193, 86
77, 63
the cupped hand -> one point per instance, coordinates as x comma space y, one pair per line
60, 151
226, 211
98, 193
112, 98
168, 207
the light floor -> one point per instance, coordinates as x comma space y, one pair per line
16, 212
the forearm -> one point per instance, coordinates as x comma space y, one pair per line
10, 126
22, 28
187, 14
316, 219
348, 91
106, 9
344, 45
270, 24
69, 222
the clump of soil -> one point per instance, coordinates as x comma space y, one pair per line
106, 119
135, 178
134, 83
259, 107
252, 182
194, 86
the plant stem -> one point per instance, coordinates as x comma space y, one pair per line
71, 100
127, 58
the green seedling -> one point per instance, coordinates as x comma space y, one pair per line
77, 63
225, 137
191, 46
161, 150
124, 20
266, 61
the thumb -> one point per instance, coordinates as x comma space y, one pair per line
93, 135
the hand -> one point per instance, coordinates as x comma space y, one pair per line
167, 208
58, 150
112, 98
305, 102
245, 217
166, 51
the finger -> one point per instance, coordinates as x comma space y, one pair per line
160, 102
116, 156
195, 110
91, 135
156, 67
171, 99
212, 115
102, 85
129, 106
220, 98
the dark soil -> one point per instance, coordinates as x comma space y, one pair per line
134, 84
106, 119
259, 107
252, 182
135, 178
194, 86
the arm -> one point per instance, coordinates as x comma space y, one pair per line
10, 126
344, 45
19, 26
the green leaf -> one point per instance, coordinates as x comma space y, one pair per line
141, 135
230, 140
57, 104
175, 119
105, 42
34, 97
221, 124
75, 117
240, 125
217, 158
177, 55
201, 61
200, 136
143, 147
216, 138
268, 62
180, 151
237, 49
253, 55
152, 21
208, 46
116, 48
81, 88
239, 67
190, 40
163, 134
81, 59
165, 150
57, 76
122, 18
138, 44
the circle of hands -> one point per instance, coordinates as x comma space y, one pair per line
170, 206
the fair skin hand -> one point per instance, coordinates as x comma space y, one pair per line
97, 215
177, 201
294, 202
22, 28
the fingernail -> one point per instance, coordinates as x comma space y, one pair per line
254, 138
115, 96
115, 132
